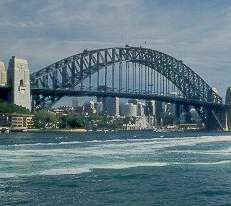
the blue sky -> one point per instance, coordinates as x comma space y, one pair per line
196, 31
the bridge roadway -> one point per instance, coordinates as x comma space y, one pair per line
166, 71
5, 90
143, 96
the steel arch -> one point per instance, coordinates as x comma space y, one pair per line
69, 72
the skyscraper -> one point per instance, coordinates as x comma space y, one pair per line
140, 109
139, 106
150, 108
111, 106
130, 110
159, 112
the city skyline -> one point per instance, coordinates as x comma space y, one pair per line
196, 32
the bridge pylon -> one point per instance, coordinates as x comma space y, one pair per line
18, 77
2, 74
228, 109
215, 119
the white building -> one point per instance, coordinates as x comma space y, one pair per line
139, 123
150, 108
111, 106
89, 107
140, 109
130, 110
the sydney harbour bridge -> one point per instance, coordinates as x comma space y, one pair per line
128, 72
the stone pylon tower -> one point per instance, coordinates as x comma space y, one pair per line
2, 74
18, 77
228, 111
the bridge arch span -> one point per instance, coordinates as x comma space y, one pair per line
71, 71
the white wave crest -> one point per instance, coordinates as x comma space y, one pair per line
209, 163
63, 171
89, 168
7, 175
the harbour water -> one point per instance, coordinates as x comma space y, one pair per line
116, 168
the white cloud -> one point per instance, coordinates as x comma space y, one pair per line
45, 31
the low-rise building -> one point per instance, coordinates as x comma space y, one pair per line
63, 110
139, 123
21, 121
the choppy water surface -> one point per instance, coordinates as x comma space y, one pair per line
117, 168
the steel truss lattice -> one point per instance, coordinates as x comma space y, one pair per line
71, 71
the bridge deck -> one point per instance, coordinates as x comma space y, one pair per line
170, 99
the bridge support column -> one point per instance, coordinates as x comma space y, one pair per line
178, 113
18, 76
227, 125
228, 109
188, 114
215, 119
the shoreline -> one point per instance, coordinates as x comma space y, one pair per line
55, 130
85, 130
82, 130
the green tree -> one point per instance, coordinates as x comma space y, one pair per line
71, 121
76, 122
45, 119
6, 107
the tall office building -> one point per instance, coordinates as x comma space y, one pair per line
130, 110
159, 112
140, 106
150, 108
111, 106
140, 109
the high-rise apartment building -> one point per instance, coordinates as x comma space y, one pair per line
150, 108
111, 106
130, 110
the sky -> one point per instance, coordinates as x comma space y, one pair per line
195, 31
